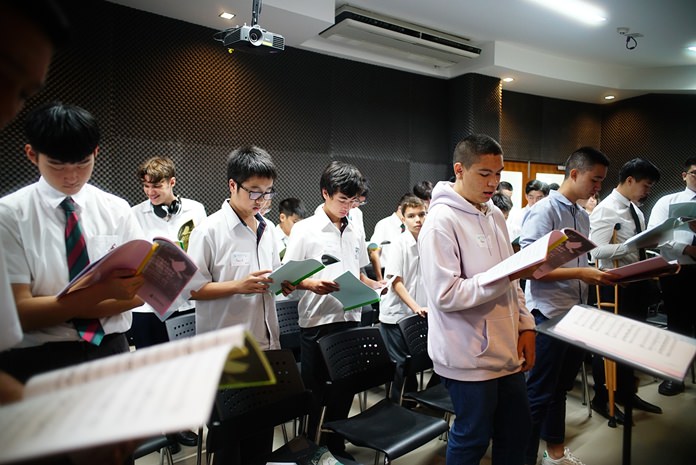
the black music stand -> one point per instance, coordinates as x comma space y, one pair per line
549, 328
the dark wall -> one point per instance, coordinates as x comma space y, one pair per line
547, 130
164, 87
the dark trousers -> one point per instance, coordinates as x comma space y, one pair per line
396, 346
496, 409
29, 361
315, 375
148, 330
553, 375
679, 305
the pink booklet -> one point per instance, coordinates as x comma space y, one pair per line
167, 270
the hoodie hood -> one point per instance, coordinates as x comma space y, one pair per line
444, 194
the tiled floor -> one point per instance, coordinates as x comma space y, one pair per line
657, 439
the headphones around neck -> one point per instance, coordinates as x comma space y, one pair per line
166, 211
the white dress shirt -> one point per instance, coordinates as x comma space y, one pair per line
387, 229
313, 237
404, 262
10, 329
169, 228
674, 249
226, 249
32, 225
614, 210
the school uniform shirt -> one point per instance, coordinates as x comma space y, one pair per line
614, 210
32, 226
404, 262
387, 229
169, 228
10, 329
555, 212
515, 220
312, 238
674, 248
281, 238
355, 215
225, 249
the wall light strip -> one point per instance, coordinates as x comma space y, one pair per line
225, 15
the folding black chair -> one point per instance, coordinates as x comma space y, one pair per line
289, 327
414, 329
357, 360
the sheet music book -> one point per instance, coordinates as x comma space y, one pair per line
353, 293
167, 270
548, 253
160, 389
645, 347
659, 233
644, 269
294, 271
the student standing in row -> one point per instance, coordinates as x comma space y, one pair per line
167, 215
50, 231
328, 231
557, 363
682, 247
406, 295
613, 221
480, 337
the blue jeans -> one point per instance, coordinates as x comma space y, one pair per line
553, 375
495, 409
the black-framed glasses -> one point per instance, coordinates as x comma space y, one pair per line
692, 173
256, 195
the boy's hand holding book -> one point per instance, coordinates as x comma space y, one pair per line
255, 283
320, 286
595, 276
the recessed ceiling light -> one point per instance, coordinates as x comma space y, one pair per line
508, 79
576, 9
225, 15
609, 97
692, 48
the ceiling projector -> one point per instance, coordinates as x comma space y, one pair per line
252, 39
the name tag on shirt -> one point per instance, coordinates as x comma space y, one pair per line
241, 258
481, 241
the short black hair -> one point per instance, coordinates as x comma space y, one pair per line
341, 177
536, 185
502, 201
66, 133
639, 169
691, 161
504, 185
292, 206
423, 190
584, 159
472, 147
553, 186
248, 161
366, 187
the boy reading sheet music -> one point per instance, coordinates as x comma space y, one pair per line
480, 336
235, 250
43, 251
328, 231
555, 293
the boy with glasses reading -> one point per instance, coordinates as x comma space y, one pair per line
328, 231
235, 251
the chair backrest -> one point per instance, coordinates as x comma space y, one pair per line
357, 359
238, 402
181, 326
287, 317
414, 329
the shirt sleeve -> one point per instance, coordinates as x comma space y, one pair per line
602, 224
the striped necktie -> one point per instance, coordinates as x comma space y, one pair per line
89, 329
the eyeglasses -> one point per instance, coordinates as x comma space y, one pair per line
692, 173
359, 203
353, 201
255, 195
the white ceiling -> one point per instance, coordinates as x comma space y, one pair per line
547, 54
